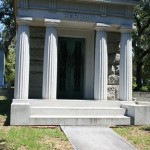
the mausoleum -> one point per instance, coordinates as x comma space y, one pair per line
73, 62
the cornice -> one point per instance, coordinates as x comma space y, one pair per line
119, 2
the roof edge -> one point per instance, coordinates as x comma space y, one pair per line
121, 2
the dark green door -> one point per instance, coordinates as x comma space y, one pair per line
70, 68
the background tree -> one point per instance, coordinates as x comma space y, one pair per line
7, 37
141, 40
8, 23
10, 64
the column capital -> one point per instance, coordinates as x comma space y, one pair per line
24, 20
125, 29
51, 22
101, 27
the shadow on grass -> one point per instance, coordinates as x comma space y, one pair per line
3, 145
145, 128
5, 106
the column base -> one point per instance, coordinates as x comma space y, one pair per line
20, 112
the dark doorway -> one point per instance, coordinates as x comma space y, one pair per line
70, 68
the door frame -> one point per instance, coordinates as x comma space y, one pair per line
88, 35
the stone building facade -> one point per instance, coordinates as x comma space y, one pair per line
73, 50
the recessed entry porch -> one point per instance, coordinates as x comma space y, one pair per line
75, 67
80, 69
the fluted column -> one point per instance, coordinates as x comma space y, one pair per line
101, 63
50, 60
126, 65
22, 59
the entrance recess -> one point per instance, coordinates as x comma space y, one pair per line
70, 68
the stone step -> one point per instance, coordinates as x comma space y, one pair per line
77, 111
73, 103
79, 120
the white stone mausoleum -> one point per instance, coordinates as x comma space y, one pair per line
73, 62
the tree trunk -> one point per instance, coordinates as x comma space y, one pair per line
139, 76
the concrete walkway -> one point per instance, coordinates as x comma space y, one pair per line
95, 138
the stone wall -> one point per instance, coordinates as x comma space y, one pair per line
142, 96
113, 40
37, 40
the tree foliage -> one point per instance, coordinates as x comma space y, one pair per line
10, 64
141, 40
7, 38
8, 22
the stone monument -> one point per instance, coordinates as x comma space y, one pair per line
73, 62
2, 68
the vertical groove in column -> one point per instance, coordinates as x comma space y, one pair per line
22, 63
101, 66
121, 75
50, 64
126, 67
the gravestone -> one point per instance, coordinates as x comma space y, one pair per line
2, 67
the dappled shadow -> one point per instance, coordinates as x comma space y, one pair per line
3, 145
5, 105
145, 128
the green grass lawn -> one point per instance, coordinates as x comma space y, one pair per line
29, 138
139, 136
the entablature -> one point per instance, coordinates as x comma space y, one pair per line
122, 8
